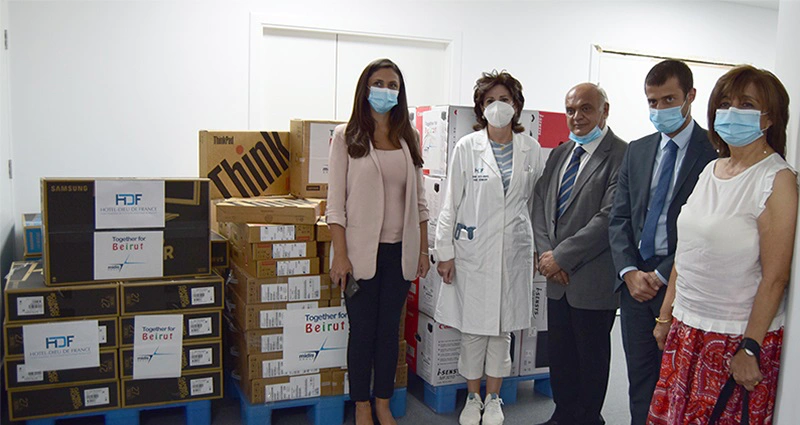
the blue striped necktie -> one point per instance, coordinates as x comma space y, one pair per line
568, 181
647, 249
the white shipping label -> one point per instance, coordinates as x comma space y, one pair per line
24, 375
157, 346
271, 232
61, 345
320, 136
200, 326
96, 397
200, 357
275, 368
302, 306
102, 334
271, 319
274, 293
201, 386
289, 250
202, 296
271, 343
129, 204
298, 387
303, 288
293, 267
30, 306
120, 255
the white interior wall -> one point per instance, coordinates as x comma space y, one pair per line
7, 211
120, 88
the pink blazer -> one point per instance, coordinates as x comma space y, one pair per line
355, 202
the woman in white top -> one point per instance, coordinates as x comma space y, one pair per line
723, 314
484, 241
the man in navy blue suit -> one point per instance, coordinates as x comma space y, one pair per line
657, 176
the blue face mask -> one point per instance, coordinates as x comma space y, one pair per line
738, 127
382, 100
667, 120
591, 136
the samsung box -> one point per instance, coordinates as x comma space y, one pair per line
197, 326
220, 251
242, 164
189, 387
32, 403
195, 356
32, 234
106, 327
274, 210
309, 144
253, 290
27, 299
124, 229
18, 377
202, 292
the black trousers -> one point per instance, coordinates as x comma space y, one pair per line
579, 350
374, 313
642, 356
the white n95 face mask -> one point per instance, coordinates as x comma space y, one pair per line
499, 114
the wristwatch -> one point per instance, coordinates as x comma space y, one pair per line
751, 348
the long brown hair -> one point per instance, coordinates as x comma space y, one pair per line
361, 126
772, 95
487, 81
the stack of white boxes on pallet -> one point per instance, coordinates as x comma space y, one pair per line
433, 348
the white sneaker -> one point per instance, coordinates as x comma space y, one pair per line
471, 415
492, 412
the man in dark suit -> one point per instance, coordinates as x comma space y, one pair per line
571, 203
657, 176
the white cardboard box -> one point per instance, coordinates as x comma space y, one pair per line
539, 304
516, 352
438, 348
531, 361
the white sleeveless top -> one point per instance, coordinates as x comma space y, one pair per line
717, 257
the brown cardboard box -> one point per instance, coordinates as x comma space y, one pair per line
401, 376
279, 289
197, 326
338, 381
15, 345
245, 163
199, 293
268, 210
265, 366
17, 377
152, 392
277, 250
323, 230
247, 233
264, 316
257, 341
195, 356
323, 204
309, 144
276, 268
278, 389
32, 403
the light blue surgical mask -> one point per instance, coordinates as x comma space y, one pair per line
589, 137
382, 100
738, 127
667, 120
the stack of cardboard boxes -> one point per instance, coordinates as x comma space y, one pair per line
114, 250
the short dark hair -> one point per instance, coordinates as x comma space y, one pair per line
487, 81
771, 94
361, 126
667, 69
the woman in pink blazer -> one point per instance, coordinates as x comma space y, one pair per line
377, 215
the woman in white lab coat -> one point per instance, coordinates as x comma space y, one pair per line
484, 241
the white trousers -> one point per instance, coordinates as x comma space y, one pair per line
485, 354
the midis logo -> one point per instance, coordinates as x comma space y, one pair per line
256, 170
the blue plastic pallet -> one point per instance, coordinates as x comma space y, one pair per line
442, 399
197, 413
327, 410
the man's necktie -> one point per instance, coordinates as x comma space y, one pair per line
568, 181
647, 248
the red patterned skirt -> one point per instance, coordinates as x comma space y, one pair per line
695, 366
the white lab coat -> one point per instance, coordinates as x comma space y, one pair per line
491, 290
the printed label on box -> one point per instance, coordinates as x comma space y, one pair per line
129, 204
24, 375
61, 345
320, 135
157, 346
200, 357
274, 293
304, 288
275, 368
30, 306
302, 306
200, 326
289, 250
298, 387
202, 386
102, 334
271, 343
270, 233
294, 267
96, 397
202, 296
119, 255
271, 319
